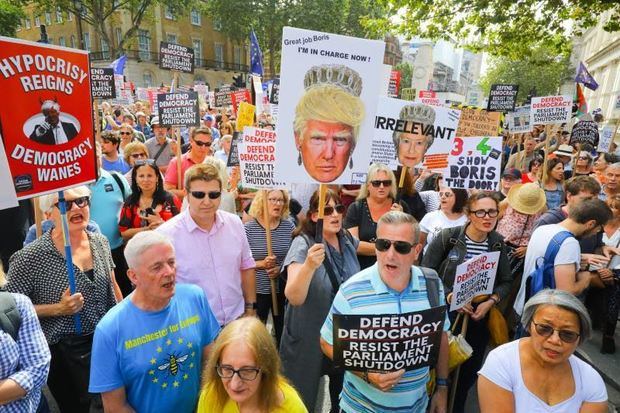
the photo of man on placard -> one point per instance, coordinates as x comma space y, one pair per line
411, 147
327, 120
53, 131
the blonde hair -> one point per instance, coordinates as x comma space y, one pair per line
254, 334
373, 170
46, 202
329, 103
257, 210
133, 147
202, 172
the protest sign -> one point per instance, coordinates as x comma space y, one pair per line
102, 83
388, 342
607, 137
178, 109
407, 93
400, 123
584, 131
256, 153
8, 196
202, 90
519, 121
245, 116
502, 98
475, 163
238, 96
222, 97
46, 116
211, 99
385, 80
394, 83
274, 91
547, 110
257, 94
233, 155
329, 84
474, 277
176, 57
478, 122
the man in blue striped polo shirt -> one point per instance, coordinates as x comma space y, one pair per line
391, 286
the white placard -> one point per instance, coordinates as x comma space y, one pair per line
607, 137
474, 277
475, 163
8, 196
256, 152
547, 110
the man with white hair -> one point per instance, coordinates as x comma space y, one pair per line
149, 350
52, 131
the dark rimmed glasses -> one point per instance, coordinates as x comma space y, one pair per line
138, 155
202, 194
244, 373
546, 331
401, 247
328, 210
81, 202
481, 213
377, 183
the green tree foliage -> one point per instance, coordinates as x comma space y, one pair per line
406, 71
10, 15
543, 71
499, 27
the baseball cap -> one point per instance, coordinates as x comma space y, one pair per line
512, 173
208, 117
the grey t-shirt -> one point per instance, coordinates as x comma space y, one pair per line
166, 155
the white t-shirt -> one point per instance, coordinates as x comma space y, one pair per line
434, 222
569, 253
503, 367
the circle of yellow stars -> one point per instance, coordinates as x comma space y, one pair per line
153, 361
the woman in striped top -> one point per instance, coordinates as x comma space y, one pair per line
268, 266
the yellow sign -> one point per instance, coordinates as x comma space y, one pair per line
245, 115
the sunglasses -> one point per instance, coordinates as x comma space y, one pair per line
401, 247
377, 183
81, 202
202, 194
201, 143
125, 133
142, 162
481, 213
584, 158
138, 155
546, 330
328, 210
446, 194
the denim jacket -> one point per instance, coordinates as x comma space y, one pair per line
448, 250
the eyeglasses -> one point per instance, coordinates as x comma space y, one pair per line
138, 155
481, 213
125, 133
328, 210
244, 373
377, 183
276, 201
202, 194
401, 247
546, 330
81, 202
446, 194
142, 162
201, 143
584, 158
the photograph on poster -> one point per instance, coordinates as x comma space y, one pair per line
51, 127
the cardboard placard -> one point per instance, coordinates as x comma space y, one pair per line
257, 158
502, 98
584, 131
474, 277
178, 109
245, 115
176, 57
388, 342
233, 155
478, 122
520, 120
475, 163
46, 116
547, 110
102, 83
607, 137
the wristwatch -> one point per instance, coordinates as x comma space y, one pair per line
442, 382
251, 306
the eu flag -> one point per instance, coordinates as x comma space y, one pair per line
583, 76
256, 56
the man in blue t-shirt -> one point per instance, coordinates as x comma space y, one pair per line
148, 350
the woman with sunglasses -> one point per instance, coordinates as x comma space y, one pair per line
376, 198
452, 247
540, 372
554, 191
243, 373
449, 215
134, 151
584, 164
315, 266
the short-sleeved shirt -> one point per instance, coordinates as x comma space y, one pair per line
212, 259
435, 221
166, 154
106, 204
503, 368
569, 253
155, 355
39, 271
366, 293
171, 173
118, 165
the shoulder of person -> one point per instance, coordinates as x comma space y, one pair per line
361, 280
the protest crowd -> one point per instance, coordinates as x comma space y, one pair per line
195, 290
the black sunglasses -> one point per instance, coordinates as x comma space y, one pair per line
81, 202
328, 210
377, 183
125, 133
202, 194
201, 143
546, 330
401, 247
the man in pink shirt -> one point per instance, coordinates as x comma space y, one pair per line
201, 141
212, 249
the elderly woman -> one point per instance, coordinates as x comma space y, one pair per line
314, 268
411, 147
39, 271
583, 164
376, 198
540, 372
134, 151
25, 360
600, 165
327, 121
243, 373
268, 266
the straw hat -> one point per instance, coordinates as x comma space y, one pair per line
527, 198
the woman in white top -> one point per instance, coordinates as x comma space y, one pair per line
450, 214
540, 373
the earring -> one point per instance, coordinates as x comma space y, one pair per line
299, 159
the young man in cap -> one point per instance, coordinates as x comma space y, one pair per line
161, 148
510, 177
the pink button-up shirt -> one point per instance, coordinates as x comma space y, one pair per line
213, 260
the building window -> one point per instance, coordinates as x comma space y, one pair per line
169, 14
144, 44
219, 55
48, 18
195, 17
119, 35
37, 21
70, 17
217, 24
197, 45
61, 41
73, 41
105, 49
87, 41
27, 23
171, 38
58, 15
237, 57
147, 79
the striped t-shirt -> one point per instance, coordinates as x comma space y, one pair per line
281, 238
475, 248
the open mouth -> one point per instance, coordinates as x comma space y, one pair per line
168, 285
76, 218
391, 267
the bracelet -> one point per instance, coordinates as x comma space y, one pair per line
442, 382
495, 300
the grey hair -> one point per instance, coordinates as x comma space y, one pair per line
614, 165
372, 172
50, 104
399, 218
46, 202
141, 242
563, 300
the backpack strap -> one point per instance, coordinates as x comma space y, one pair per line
119, 183
432, 285
555, 244
10, 318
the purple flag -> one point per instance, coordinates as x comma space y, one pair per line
583, 76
